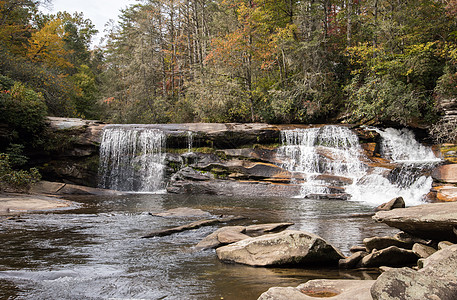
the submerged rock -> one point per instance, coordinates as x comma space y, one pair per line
182, 212
322, 289
289, 247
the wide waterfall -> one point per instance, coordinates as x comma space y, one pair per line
131, 159
315, 154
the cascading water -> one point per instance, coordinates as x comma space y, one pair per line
131, 159
413, 160
313, 152
316, 153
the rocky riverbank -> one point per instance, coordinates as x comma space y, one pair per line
431, 271
419, 262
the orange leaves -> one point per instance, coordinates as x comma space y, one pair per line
254, 41
47, 45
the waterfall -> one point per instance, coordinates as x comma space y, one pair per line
333, 152
190, 140
131, 159
401, 146
329, 150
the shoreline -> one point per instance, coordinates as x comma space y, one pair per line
17, 203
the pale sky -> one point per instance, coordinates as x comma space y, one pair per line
98, 11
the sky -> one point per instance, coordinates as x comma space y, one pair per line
98, 11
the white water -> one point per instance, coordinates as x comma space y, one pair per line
335, 150
401, 146
329, 150
131, 159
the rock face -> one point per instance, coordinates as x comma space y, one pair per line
446, 173
322, 289
73, 153
289, 247
430, 221
436, 280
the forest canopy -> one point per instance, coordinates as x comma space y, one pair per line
359, 61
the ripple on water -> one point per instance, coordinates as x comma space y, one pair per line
95, 252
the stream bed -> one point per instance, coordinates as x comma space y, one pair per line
95, 251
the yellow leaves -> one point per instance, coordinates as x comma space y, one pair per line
47, 45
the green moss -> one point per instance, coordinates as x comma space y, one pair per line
206, 150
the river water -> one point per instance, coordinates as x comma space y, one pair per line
95, 251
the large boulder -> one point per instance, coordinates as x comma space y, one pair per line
430, 221
436, 280
322, 289
289, 247
405, 283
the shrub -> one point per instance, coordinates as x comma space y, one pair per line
23, 110
15, 179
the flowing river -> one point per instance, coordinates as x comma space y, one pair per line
95, 251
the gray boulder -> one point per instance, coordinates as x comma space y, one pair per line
429, 221
289, 247
322, 289
437, 279
405, 283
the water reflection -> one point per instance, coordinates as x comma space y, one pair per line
95, 252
